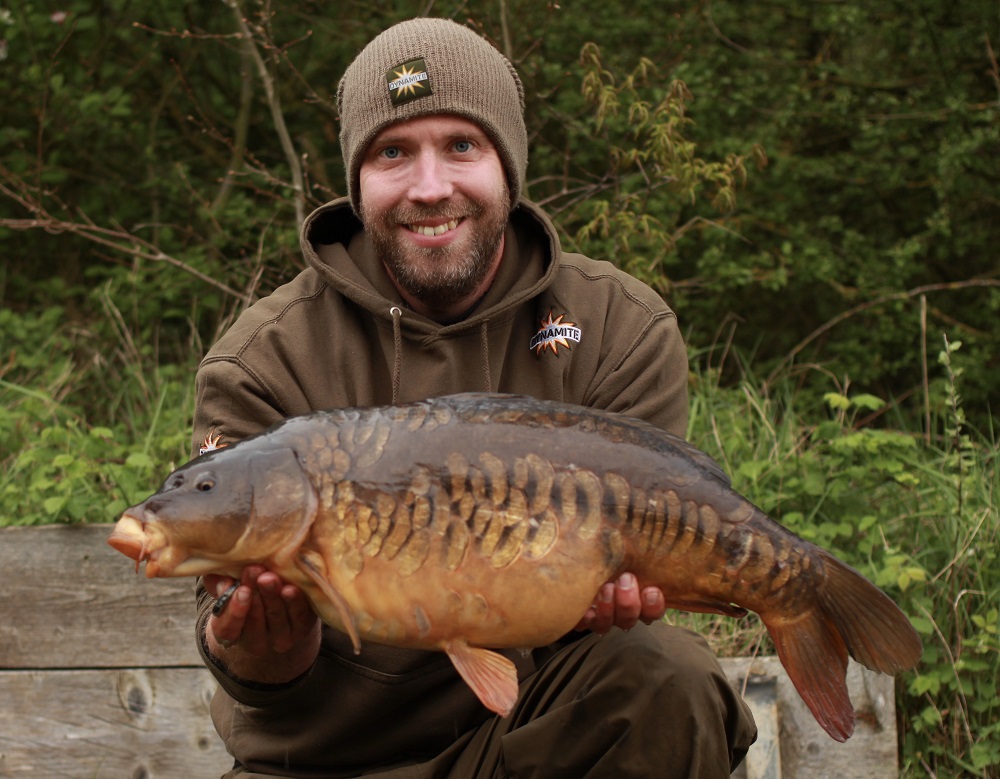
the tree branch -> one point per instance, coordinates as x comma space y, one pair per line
274, 102
907, 295
119, 240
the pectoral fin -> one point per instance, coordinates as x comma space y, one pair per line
313, 570
492, 677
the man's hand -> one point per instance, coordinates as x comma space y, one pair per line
267, 631
621, 604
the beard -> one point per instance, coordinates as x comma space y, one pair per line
439, 276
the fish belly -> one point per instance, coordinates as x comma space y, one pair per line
526, 603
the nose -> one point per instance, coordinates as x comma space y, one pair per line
431, 182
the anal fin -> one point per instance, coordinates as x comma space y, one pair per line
492, 677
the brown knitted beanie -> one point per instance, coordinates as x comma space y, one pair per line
431, 66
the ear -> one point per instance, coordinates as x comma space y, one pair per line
283, 504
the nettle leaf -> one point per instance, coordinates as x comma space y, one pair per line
62, 460
55, 504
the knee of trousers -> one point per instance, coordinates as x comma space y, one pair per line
647, 699
669, 669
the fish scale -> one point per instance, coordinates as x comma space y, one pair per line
476, 522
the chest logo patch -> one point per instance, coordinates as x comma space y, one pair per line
553, 334
409, 81
211, 443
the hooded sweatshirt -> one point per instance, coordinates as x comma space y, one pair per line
554, 325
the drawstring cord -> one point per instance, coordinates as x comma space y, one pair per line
397, 358
485, 355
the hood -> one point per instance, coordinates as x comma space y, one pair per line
336, 246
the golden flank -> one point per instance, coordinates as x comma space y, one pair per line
476, 522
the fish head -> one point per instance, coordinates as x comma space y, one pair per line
221, 512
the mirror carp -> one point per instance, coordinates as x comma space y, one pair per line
475, 522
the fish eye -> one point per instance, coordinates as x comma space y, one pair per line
205, 484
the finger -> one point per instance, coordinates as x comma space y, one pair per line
628, 605
252, 573
223, 600
654, 605
604, 619
227, 624
301, 616
253, 637
587, 619
279, 631
213, 581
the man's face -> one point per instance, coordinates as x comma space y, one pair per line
434, 200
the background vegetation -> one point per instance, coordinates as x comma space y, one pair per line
814, 186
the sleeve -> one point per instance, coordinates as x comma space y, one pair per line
649, 378
231, 403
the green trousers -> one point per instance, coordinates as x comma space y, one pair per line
652, 702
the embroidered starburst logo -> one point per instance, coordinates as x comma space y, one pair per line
554, 333
211, 443
408, 82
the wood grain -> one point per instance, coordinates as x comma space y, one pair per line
68, 600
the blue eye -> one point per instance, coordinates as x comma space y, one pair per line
463, 146
390, 153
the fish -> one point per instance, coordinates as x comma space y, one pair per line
478, 522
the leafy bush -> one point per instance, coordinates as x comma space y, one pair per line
920, 520
87, 427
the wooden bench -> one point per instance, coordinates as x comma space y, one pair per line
99, 677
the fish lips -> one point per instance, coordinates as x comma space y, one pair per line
142, 541
129, 538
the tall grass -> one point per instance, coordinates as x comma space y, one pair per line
91, 419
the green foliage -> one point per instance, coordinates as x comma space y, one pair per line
83, 434
880, 123
633, 211
150, 136
920, 520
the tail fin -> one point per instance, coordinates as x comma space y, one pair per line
878, 634
851, 616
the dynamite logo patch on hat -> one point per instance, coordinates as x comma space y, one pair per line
408, 82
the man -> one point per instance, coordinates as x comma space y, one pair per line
433, 277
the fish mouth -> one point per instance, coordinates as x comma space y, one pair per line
139, 541
145, 542
129, 538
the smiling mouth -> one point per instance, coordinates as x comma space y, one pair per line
430, 232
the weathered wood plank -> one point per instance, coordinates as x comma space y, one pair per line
139, 723
763, 761
68, 600
806, 752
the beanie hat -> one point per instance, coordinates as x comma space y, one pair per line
431, 66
